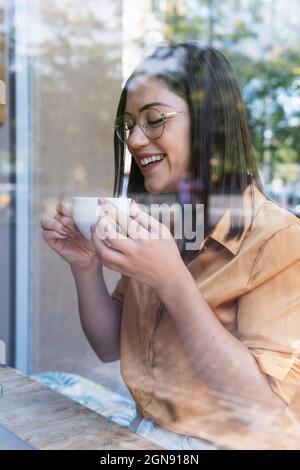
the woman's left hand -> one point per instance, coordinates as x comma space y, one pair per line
146, 251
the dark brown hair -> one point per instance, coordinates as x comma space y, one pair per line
222, 152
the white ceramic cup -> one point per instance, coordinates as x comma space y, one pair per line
86, 211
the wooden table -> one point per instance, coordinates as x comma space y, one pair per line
48, 420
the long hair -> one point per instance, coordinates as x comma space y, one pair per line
222, 153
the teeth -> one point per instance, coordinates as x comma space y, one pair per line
154, 158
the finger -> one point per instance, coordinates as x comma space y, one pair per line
51, 235
64, 208
129, 225
48, 223
106, 230
107, 208
151, 224
105, 253
68, 223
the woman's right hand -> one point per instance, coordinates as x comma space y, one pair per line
63, 236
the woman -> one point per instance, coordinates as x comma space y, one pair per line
208, 336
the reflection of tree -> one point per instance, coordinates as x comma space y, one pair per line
205, 20
275, 128
78, 74
266, 82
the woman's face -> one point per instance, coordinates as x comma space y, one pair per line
174, 144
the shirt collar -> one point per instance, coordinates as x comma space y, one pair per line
219, 232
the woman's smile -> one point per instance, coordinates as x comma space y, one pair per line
147, 164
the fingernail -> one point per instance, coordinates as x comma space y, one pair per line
92, 229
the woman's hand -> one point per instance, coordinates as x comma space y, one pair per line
63, 236
146, 251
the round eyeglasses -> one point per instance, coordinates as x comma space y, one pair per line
150, 121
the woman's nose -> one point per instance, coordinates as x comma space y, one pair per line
137, 138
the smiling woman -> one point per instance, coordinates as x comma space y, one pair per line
156, 131
209, 342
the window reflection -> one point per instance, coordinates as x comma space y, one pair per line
79, 56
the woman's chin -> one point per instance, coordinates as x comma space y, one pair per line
156, 188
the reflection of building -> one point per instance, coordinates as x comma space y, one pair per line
2, 355
56, 142
2, 80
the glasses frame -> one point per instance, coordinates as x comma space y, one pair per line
165, 117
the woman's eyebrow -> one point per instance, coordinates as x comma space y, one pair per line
150, 105
155, 103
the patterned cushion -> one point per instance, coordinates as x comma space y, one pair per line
115, 407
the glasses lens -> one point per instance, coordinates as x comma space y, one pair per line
152, 123
124, 126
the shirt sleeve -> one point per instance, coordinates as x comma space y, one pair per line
119, 292
269, 313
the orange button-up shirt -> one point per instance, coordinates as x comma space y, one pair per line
253, 287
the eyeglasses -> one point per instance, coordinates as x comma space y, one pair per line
151, 122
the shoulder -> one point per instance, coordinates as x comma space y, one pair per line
277, 235
272, 218
271, 223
